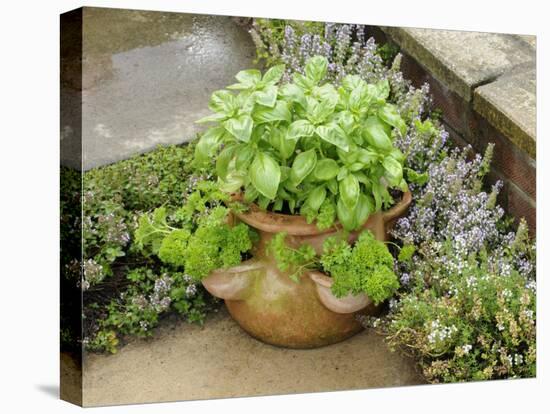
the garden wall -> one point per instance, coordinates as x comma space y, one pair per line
485, 85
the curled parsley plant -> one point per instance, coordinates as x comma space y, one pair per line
307, 143
198, 246
366, 267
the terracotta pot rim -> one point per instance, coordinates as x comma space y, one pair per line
296, 225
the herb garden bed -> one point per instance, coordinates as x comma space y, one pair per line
334, 136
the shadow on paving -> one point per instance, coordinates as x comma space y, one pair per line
187, 362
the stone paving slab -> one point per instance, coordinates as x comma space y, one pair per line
510, 104
219, 360
148, 76
460, 59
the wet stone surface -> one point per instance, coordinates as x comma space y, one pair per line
219, 360
147, 76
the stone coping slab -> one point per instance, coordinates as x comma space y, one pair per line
463, 60
509, 104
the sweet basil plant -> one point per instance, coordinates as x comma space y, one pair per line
306, 146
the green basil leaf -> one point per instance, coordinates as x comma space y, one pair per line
367, 156
243, 156
250, 194
211, 118
388, 113
316, 198
349, 191
302, 166
377, 190
346, 216
300, 128
382, 90
356, 166
316, 68
279, 112
266, 96
375, 134
352, 82
303, 82
365, 206
240, 127
249, 77
222, 101
347, 122
208, 143
317, 111
394, 170
265, 175
326, 92
224, 159
273, 75
232, 182
278, 139
333, 134
293, 93
332, 186
326, 169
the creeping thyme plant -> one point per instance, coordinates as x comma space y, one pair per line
124, 292
466, 304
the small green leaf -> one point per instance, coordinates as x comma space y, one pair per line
265, 175
382, 90
300, 128
388, 113
394, 170
267, 96
240, 128
316, 198
223, 161
345, 215
302, 166
349, 191
316, 68
232, 182
273, 75
278, 139
279, 112
243, 156
375, 134
293, 93
222, 101
211, 118
303, 82
365, 206
333, 134
326, 92
208, 143
326, 169
351, 82
249, 77
332, 185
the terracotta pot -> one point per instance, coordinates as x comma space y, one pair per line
271, 307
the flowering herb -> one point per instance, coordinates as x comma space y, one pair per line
306, 143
